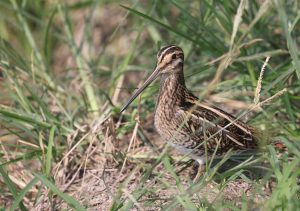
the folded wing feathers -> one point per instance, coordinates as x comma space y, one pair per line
224, 124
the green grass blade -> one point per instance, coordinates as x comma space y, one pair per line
291, 43
21, 195
49, 151
26, 156
32, 43
172, 29
24, 118
11, 187
68, 199
87, 82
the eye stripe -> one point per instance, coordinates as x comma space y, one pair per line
165, 65
167, 51
179, 55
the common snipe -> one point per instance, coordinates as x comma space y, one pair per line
193, 128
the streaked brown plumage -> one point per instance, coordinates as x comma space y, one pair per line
188, 125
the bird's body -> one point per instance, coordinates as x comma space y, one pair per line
192, 127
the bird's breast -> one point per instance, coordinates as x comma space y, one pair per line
171, 94
164, 119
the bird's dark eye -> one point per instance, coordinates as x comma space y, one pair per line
174, 56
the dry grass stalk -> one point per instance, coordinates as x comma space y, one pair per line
131, 197
237, 21
133, 137
257, 104
259, 82
69, 152
225, 61
110, 136
278, 94
233, 104
264, 7
117, 91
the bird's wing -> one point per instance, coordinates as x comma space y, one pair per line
218, 125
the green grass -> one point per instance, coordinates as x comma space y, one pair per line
66, 69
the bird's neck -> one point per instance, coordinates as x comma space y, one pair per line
172, 90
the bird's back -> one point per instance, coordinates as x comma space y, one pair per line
200, 126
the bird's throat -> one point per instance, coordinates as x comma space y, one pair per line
172, 89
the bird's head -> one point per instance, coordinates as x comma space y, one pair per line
169, 61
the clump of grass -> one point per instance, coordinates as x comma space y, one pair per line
63, 143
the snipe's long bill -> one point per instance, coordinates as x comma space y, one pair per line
191, 127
